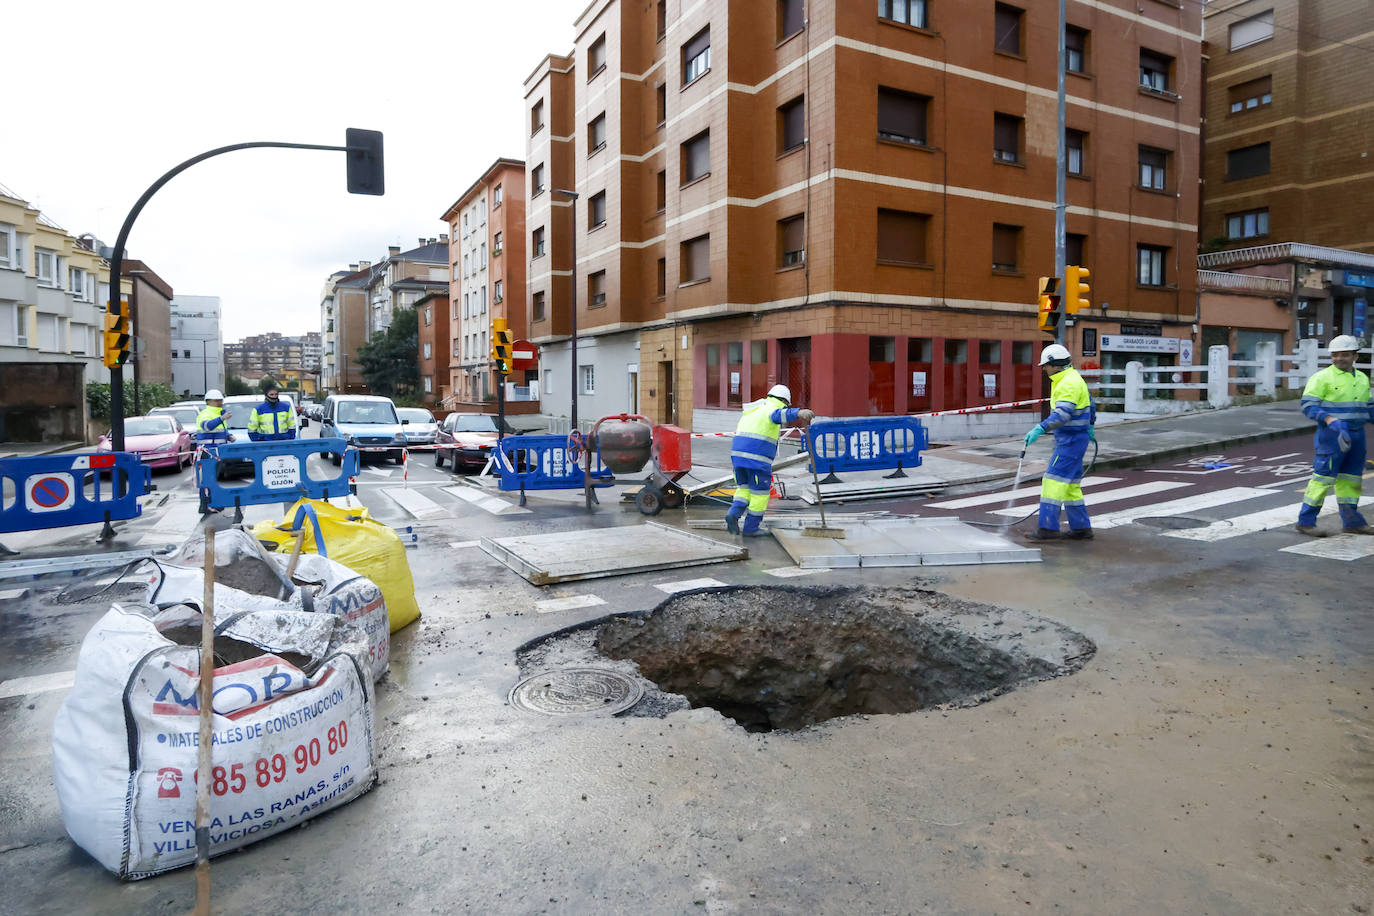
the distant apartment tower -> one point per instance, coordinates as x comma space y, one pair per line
1289, 124
343, 329
401, 278
487, 268
198, 362
852, 198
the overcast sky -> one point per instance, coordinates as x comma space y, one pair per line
263, 229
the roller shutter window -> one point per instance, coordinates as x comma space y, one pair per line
1252, 31
1247, 162
902, 236
902, 116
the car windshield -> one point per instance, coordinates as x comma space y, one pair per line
186, 416
366, 412
415, 415
474, 423
148, 426
239, 412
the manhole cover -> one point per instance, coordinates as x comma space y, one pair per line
1172, 522
576, 692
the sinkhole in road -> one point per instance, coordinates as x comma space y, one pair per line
786, 657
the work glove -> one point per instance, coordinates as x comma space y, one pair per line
1036, 432
1342, 435
1092, 433
805, 415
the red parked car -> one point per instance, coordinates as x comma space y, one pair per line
473, 435
160, 441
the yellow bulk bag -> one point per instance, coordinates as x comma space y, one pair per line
355, 539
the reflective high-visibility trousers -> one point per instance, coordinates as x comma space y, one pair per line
1061, 487
751, 496
1342, 471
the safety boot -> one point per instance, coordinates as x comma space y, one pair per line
1310, 530
732, 524
1358, 529
1042, 534
1080, 534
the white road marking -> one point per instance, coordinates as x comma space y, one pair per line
1281, 457
459, 545
687, 584
1098, 497
12, 594
415, 503
1179, 506
1341, 547
1020, 493
1281, 517
572, 602
39, 683
493, 504
787, 572
1284, 483
378, 471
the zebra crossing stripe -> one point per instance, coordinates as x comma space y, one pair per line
1022, 492
1342, 547
1179, 506
570, 603
1281, 517
417, 504
1098, 497
487, 503
687, 584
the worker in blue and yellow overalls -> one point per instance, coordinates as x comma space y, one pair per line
272, 419
1071, 419
1337, 398
751, 454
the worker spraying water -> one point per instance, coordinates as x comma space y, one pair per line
1071, 419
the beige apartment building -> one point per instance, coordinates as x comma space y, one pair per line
853, 198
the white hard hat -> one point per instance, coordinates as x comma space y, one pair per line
1343, 344
781, 391
1054, 353
214, 394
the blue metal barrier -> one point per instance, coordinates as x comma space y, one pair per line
543, 463
866, 444
54, 491
279, 473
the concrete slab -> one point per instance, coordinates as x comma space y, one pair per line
904, 542
544, 559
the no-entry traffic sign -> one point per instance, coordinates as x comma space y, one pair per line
524, 355
50, 492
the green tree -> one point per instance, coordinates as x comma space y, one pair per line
390, 360
268, 382
235, 385
150, 395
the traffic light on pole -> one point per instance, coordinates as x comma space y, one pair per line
117, 335
1048, 301
1076, 289
501, 344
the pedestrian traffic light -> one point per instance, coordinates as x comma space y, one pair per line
1048, 301
502, 343
364, 153
1076, 289
118, 335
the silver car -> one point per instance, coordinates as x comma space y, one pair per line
420, 426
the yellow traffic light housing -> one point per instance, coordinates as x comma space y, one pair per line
1048, 302
118, 335
502, 343
1076, 289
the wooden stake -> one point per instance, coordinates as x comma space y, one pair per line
204, 760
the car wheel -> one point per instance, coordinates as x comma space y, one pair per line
397, 456
438, 458
336, 458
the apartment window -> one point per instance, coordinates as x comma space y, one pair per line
537, 306
1252, 94
792, 241
429, 350
466, 270
662, 277
496, 293
1247, 162
496, 197
596, 288
588, 374
77, 283
1006, 138
1154, 168
789, 18
429, 381
45, 266
429, 317
548, 381
902, 116
1075, 49
1075, 248
596, 57
662, 18
1252, 31
484, 255
909, 12
9, 246
696, 157
696, 259
661, 191
536, 123
1007, 23
466, 311
596, 133
791, 124
1074, 142
1247, 225
537, 180
902, 236
1006, 245
484, 299
1154, 71
661, 103
596, 210
496, 245
696, 56
1150, 261
537, 242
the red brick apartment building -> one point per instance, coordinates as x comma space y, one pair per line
432, 323
487, 281
853, 198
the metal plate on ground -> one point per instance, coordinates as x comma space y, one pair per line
905, 542
576, 692
544, 559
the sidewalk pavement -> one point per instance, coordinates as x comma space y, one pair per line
35, 449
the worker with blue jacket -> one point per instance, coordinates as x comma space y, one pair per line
1071, 419
751, 454
272, 419
1337, 398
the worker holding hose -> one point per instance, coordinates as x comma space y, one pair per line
1071, 419
751, 455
